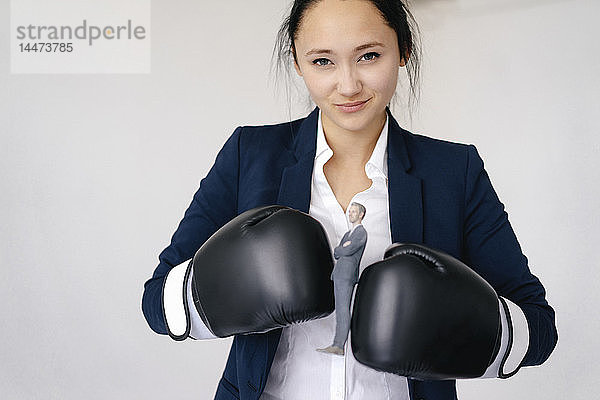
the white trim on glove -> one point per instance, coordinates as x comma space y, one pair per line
514, 342
174, 301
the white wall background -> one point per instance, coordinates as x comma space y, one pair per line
97, 170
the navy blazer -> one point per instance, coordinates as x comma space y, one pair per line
439, 195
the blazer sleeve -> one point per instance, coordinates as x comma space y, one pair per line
492, 250
213, 205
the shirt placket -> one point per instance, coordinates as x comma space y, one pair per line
340, 221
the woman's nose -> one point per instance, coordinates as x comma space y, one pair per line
349, 82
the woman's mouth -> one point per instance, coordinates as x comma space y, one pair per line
352, 107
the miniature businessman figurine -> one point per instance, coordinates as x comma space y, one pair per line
345, 275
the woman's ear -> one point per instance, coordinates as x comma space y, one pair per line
404, 60
296, 66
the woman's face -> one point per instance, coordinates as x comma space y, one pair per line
347, 54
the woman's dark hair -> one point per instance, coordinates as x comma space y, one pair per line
394, 12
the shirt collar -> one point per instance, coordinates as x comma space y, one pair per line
376, 165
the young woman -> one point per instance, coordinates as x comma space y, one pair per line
350, 149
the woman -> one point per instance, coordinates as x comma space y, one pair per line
350, 149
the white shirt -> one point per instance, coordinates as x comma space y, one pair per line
298, 371
296, 361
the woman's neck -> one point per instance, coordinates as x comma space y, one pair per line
350, 147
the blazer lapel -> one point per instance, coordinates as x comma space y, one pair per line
405, 193
294, 189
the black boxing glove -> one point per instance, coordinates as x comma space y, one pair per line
267, 268
422, 313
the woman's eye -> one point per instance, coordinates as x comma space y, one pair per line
321, 61
370, 56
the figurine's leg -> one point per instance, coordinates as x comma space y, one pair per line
343, 295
